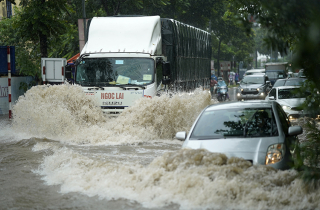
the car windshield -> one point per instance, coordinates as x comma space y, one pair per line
279, 83
291, 93
232, 123
253, 80
115, 71
294, 82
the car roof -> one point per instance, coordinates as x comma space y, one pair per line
256, 75
256, 70
241, 104
288, 87
297, 78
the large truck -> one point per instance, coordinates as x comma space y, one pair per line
129, 57
276, 71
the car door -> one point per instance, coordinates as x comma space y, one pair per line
272, 93
290, 141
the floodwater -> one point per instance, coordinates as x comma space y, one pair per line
60, 152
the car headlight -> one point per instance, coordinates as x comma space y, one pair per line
241, 89
261, 94
286, 107
275, 153
238, 94
258, 89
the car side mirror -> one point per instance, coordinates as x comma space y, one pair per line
295, 130
181, 135
271, 98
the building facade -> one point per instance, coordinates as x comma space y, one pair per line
7, 9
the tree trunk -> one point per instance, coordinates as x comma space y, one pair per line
218, 59
43, 45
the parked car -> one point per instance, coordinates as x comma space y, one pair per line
289, 82
290, 100
254, 86
257, 131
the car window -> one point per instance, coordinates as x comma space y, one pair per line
248, 122
273, 93
285, 123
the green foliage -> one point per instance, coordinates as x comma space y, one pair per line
309, 160
27, 53
293, 25
230, 42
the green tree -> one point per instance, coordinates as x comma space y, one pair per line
26, 55
294, 25
229, 38
260, 35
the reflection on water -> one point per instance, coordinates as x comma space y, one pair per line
128, 162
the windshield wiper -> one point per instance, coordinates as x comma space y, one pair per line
126, 85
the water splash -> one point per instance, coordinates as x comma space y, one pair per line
65, 113
193, 179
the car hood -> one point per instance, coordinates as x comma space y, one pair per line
253, 149
250, 85
293, 102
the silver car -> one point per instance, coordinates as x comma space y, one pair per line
257, 131
290, 100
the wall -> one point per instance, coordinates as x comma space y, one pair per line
15, 92
3, 8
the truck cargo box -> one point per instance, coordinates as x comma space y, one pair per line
53, 69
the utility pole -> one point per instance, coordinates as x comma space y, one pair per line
84, 22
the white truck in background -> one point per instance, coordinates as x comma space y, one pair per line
276, 71
126, 58
53, 70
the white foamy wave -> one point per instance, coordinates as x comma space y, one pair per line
193, 179
65, 113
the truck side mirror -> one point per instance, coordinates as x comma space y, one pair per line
68, 73
166, 68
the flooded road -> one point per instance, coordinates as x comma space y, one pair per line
60, 152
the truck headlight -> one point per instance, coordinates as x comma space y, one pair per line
275, 153
286, 107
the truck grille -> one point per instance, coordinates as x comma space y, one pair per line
245, 92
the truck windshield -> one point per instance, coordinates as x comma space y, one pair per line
276, 74
115, 71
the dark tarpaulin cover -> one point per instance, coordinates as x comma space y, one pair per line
188, 49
